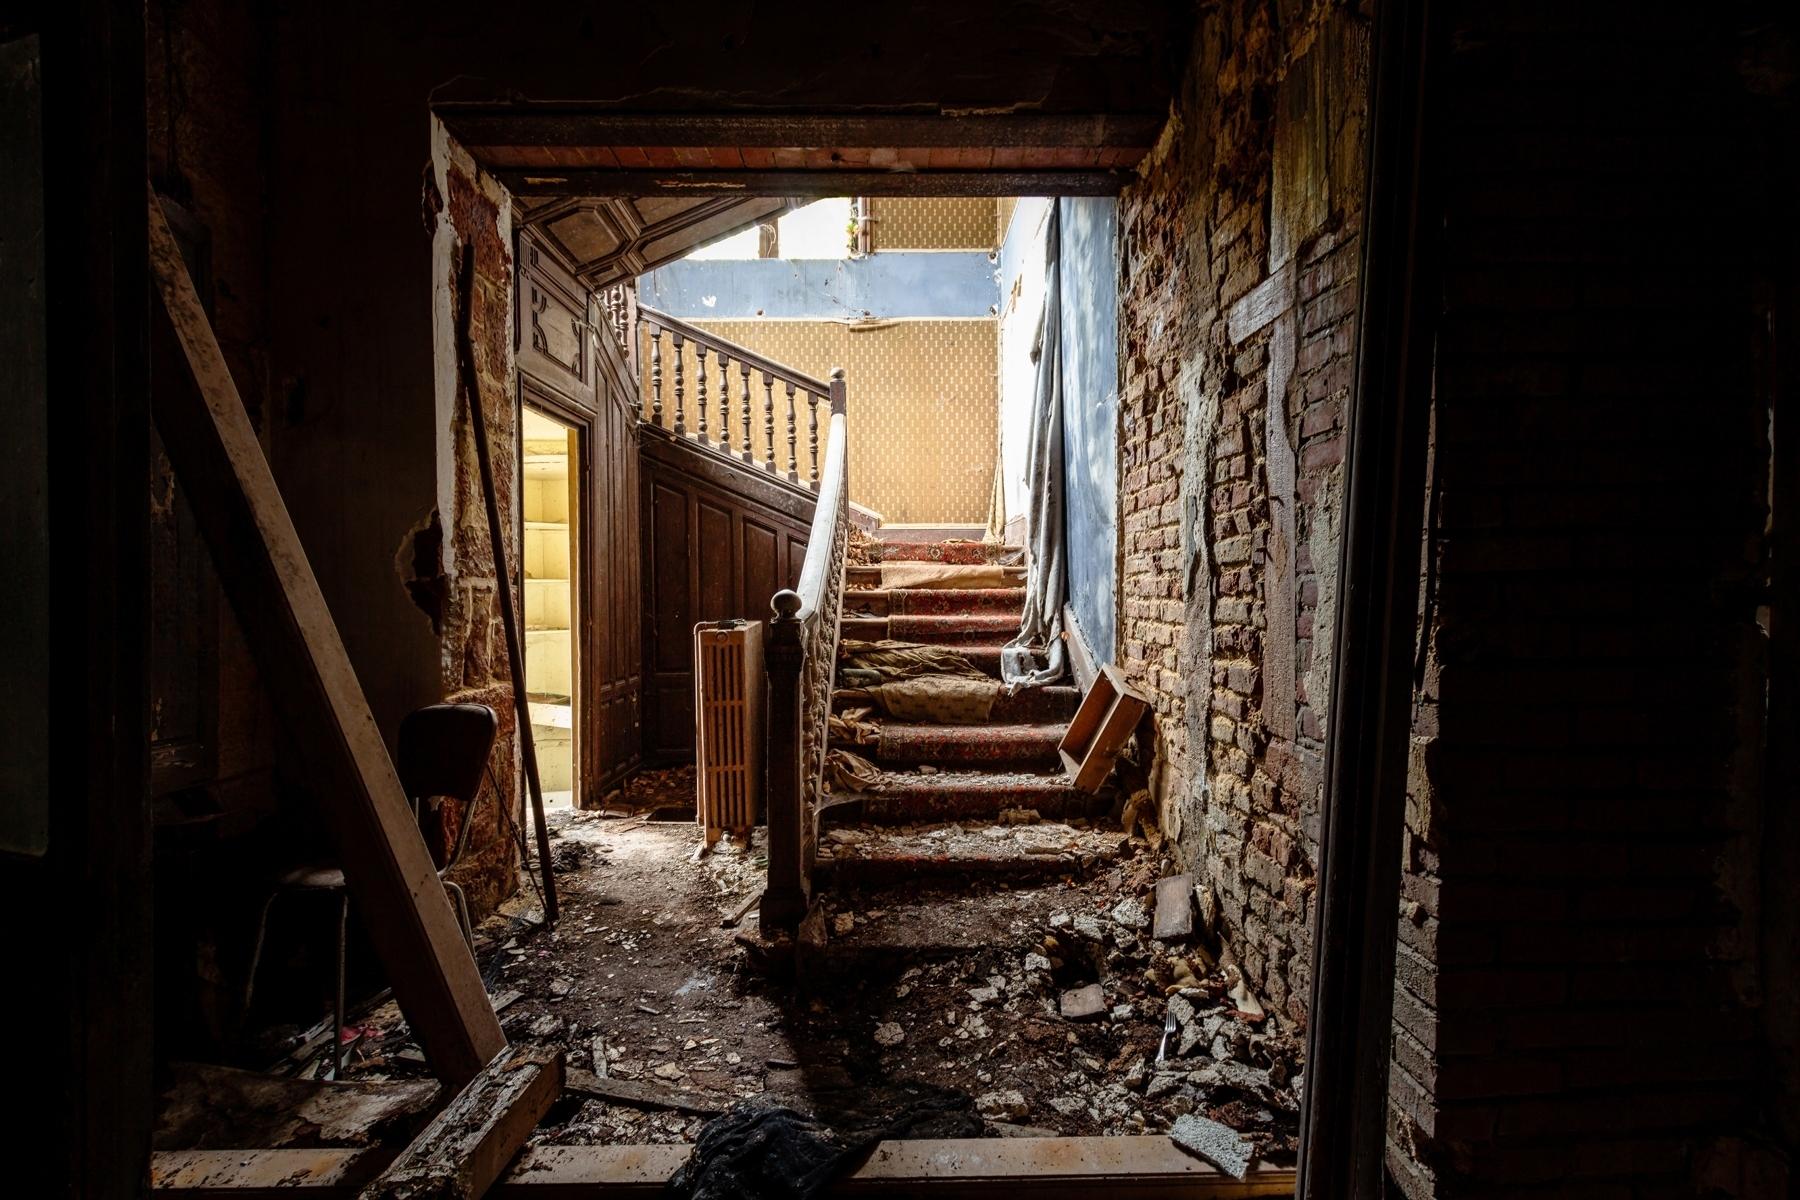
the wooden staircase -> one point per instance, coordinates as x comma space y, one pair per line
952, 802
988, 801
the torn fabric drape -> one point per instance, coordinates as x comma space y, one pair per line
1036, 656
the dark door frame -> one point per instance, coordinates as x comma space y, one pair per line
87, 945
1343, 1121
534, 393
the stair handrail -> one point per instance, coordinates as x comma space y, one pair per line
800, 658
732, 435
738, 352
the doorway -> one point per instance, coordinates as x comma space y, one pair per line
551, 507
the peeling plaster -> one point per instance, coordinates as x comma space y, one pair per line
420, 564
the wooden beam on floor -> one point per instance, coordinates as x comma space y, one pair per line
641, 1094
1058, 1168
829, 182
311, 683
468, 1146
318, 1173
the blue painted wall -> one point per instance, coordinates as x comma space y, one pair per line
892, 284
1090, 365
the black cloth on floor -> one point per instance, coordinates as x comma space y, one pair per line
758, 1150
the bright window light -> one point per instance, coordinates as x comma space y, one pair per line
819, 230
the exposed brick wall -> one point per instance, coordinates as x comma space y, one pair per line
1577, 981
1238, 254
476, 667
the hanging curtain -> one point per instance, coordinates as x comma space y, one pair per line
1036, 656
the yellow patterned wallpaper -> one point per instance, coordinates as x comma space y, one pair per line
922, 397
934, 223
1003, 217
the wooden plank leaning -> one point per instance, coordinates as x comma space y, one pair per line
470, 1144
313, 687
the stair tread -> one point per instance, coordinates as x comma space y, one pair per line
962, 781
972, 732
965, 848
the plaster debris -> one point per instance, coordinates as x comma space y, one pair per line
1007, 1105
1218, 1144
1083, 1003
1174, 909
1130, 913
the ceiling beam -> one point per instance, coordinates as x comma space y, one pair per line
480, 126
600, 183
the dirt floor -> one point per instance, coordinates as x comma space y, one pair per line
972, 991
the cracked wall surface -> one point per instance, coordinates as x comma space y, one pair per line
1239, 244
475, 665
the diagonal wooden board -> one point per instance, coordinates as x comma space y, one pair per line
314, 690
461, 1153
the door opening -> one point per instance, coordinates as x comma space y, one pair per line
550, 495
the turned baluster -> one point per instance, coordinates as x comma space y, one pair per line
812, 444
769, 419
655, 374
700, 385
746, 454
680, 416
793, 471
724, 403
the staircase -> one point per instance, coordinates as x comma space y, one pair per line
948, 802
956, 801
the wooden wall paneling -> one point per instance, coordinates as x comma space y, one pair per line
717, 544
184, 593
591, 387
616, 677
554, 343
668, 614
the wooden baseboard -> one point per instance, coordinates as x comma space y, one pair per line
1082, 659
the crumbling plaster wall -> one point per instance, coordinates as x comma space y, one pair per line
1238, 259
476, 217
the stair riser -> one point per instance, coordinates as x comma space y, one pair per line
963, 554
885, 872
985, 659
1030, 706
924, 806
989, 758
995, 629
861, 578
1007, 602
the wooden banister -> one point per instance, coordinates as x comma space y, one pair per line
800, 657
694, 333
691, 346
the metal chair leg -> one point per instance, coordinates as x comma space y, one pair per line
462, 912
343, 955
262, 930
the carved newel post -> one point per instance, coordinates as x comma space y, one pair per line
790, 854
